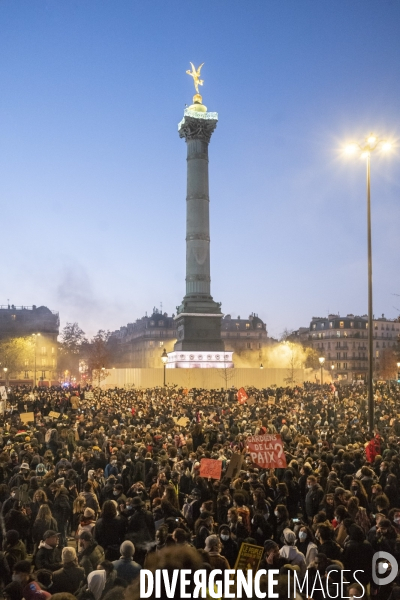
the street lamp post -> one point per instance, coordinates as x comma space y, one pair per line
164, 358
332, 368
35, 336
321, 362
5, 369
371, 143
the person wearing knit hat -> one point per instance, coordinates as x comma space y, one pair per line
125, 566
290, 553
70, 576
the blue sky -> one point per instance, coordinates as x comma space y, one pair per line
93, 173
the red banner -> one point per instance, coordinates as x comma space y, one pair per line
242, 396
210, 468
266, 451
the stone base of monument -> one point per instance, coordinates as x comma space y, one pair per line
199, 360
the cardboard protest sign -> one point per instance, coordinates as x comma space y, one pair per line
251, 401
89, 395
27, 417
266, 450
183, 421
249, 557
242, 396
54, 414
210, 468
235, 465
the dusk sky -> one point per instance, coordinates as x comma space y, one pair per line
93, 172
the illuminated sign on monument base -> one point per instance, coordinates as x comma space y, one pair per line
199, 360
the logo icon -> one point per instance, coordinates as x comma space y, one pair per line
384, 564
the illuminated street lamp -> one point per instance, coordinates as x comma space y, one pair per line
261, 366
35, 336
321, 362
332, 368
5, 369
364, 150
164, 358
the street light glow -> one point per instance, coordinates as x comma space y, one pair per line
321, 360
386, 146
371, 140
351, 148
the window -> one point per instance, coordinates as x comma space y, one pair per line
337, 344
341, 324
53, 350
151, 322
43, 374
344, 365
237, 325
259, 346
151, 344
259, 325
26, 362
377, 353
314, 326
322, 325
247, 325
337, 354
161, 344
54, 362
338, 365
344, 354
351, 323
13, 317
249, 345
330, 324
43, 350
43, 362
329, 344
161, 323
338, 334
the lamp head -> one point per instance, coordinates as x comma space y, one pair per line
164, 357
371, 140
386, 146
321, 360
261, 366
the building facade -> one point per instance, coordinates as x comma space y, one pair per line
343, 342
142, 343
33, 331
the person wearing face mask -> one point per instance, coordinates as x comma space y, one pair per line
90, 497
111, 468
118, 493
306, 544
229, 548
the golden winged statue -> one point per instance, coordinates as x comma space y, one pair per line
195, 73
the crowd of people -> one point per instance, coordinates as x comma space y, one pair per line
97, 484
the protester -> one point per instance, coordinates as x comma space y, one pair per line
119, 473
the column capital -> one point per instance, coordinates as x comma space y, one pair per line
197, 125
